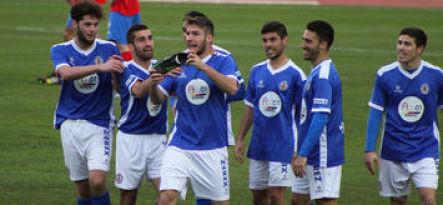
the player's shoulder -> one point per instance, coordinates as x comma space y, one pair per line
105, 42
324, 69
432, 67
297, 69
221, 50
260, 65
62, 45
387, 68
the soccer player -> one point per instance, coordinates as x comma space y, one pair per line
321, 153
141, 137
122, 15
86, 66
197, 147
68, 34
273, 100
408, 92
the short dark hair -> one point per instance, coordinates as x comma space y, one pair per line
131, 32
324, 31
202, 22
275, 26
418, 34
193, 14
83, 8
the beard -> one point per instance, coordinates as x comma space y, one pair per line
202, 49
82, 38
143, 55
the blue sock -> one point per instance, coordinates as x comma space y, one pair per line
203, 202
81, 201
101, 200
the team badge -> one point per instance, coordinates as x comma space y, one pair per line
87, 84
98, 60
197, 91
424, 89
411, 109
270, 104
153, 109
283, 85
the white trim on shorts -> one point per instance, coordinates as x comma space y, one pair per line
394, 177
137, 156
265, 174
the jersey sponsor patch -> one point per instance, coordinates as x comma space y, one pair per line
153, 109
270, 104
87, 84
411, 109
197, 91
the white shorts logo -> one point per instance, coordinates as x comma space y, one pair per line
197, 91
411, 109
87, 84
269, 104
153, 109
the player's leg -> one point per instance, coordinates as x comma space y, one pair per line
425, 178
128, 197
209, 174
156, 147
174, 174
280, 178
300, 191
98, 151
75, 160
394, 181
427, 196
300, 199
258, 181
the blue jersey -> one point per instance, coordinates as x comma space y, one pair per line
139, 115
322, 94
410, 102
201, 119
275, 97
89, 98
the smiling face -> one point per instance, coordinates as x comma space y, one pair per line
407, 51
143, 45
87, 29
197, 39
310, 45
274, 45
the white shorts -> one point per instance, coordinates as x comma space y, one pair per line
319, 182
86, 146
265, 174
394, 177
137, 156
207, 170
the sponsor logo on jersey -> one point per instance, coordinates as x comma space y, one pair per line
424, 89
197, 91
153, 109
87, 84
411, 109
270, 104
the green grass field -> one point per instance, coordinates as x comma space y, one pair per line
31, 161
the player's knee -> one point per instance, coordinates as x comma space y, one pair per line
167, 197
402, 200
260, 200
97, 184
428, 200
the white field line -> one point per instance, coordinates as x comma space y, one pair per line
293, 2
223, 42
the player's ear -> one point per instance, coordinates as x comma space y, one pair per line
420, 50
